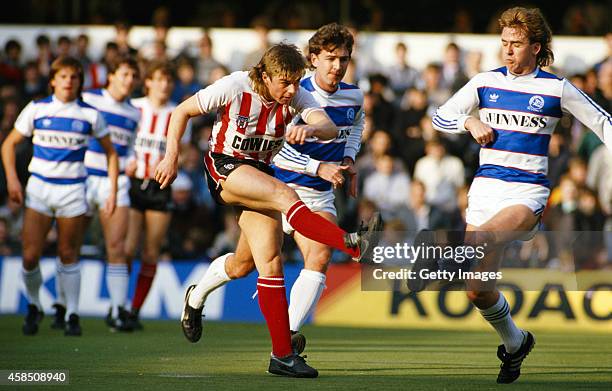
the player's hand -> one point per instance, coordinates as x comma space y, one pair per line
130, 168
482, 133
351, 172
299, 133
110, 204
166, 171
15, 191
332, 173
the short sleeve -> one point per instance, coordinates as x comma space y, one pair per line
99, 129
25, 121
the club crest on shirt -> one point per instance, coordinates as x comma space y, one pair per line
242, 121
536, 103
77, 126
350, 114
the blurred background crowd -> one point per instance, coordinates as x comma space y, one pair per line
417, 177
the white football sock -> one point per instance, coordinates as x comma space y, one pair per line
214, 277
117, 279
70, 278
305, 295
60, 295
499, 317
33, 281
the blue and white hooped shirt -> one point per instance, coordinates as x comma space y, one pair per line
298, 164
523, 112
60, 133
122, 120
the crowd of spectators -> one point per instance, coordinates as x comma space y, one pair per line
417, 177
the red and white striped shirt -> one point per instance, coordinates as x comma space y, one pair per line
151, 135
247, 126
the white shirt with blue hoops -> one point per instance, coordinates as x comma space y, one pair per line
60, 133
298, 164
122, 120
523, 112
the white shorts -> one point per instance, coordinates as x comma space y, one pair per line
489, 196
55, 200
315, 200
98, 189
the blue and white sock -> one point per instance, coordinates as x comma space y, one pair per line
33, 280
117, 279
499, 317
70, 279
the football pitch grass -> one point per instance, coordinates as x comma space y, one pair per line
234, 356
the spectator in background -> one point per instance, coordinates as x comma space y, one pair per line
401, 75
122, 34
81, 48
10, 65
558, 158
64, 46
378, 146
442, 175
44, 55
422, 215
261, 25
453, 75
473, 63
603, 93
205, 63
34, 84
377, 104
388, 186
186, 84
437, 93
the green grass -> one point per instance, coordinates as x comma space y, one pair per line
235, 357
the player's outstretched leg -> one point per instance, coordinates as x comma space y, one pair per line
365, 238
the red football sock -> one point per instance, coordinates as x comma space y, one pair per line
143, 285
273, 304
317, 228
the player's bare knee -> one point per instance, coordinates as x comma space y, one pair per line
286, 197
318, 262
68, 254
30, 259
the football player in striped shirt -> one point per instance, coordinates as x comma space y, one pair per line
60, 127
150, 206
121, 119
253, 110
519, 106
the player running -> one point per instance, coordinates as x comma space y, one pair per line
121, 119
60, 127
254, 109
150, 205
311, 169
519, 106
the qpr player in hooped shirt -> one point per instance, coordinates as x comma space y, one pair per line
60, 127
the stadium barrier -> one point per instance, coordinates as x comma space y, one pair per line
554, 307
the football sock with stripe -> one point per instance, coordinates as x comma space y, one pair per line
499, 317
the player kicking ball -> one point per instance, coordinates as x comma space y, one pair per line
520, 104
254, 109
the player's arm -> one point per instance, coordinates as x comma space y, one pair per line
588, 112
24, 127
291, 159
15, 192
454, 116
353, 145
204, 101
318, 123
112, 159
